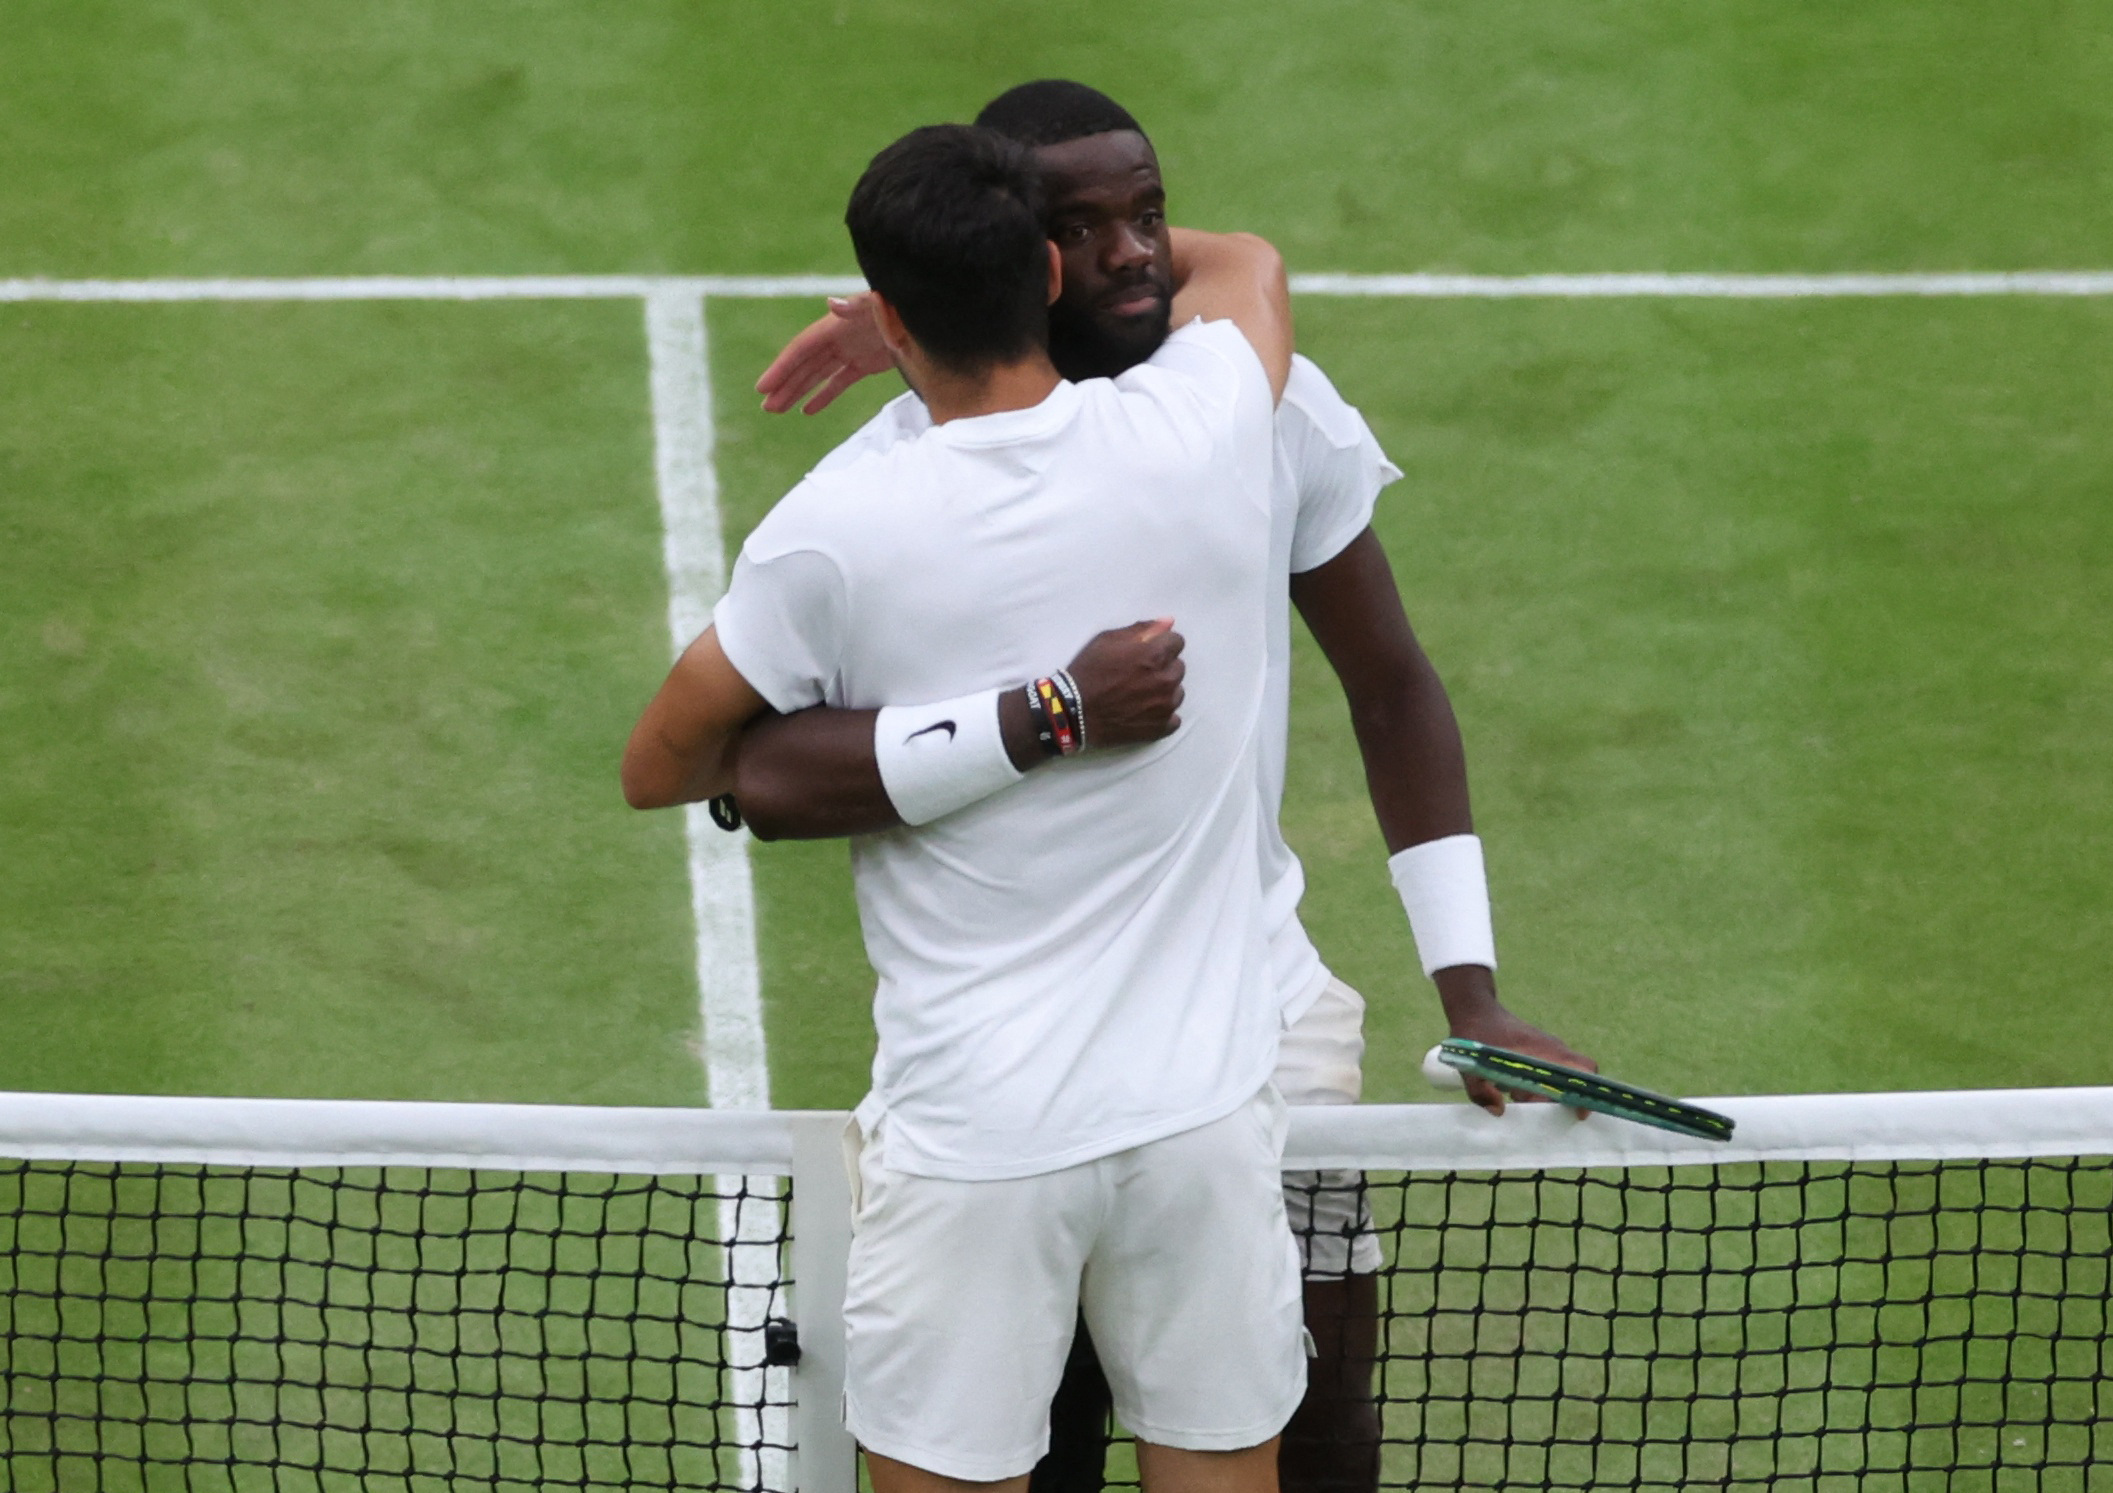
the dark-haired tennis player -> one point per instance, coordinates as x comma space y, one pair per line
803, 776
1071, 1108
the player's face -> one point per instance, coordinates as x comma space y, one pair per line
1107, 215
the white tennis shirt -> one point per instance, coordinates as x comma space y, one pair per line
1327, 473
1077, 964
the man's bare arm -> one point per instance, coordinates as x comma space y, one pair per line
813, 776
1240, 278
682, 749
1415, 765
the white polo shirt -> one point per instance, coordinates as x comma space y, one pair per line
1327, 473
1075, 965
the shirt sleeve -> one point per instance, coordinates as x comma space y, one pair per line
1336, 461
782, 625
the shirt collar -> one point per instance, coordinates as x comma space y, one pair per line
1009, 426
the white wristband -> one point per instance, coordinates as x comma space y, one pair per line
1446, 895
935, 759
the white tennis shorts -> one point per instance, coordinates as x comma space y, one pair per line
1321, 1061
963, 1297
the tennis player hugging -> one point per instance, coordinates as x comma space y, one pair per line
1053, 799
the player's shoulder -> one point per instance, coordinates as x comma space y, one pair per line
1204, 376
903, 418
837, 511
1313, 409
1213, 350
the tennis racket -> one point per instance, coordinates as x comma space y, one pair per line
1574, 1087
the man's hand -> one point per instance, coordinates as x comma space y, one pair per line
1129, 680
1470, 995
827, 358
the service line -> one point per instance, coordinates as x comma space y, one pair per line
753, 287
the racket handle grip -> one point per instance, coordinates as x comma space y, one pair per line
1440, 1074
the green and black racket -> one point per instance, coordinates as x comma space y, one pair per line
1574, 1087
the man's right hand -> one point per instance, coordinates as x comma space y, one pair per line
1129, 681
831, 355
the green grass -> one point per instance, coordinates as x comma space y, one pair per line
1776, 629
328, 1331
154, 137
1774, 633
323, 627
1772, 625
1912, 1326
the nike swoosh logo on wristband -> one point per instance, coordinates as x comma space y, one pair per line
946, 726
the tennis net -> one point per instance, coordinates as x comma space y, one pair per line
1873, 1292
286, 1295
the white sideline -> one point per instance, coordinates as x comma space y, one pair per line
722, 893
1421, 286
1955, 1125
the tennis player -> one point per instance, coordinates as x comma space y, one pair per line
806, 775
1071, 1107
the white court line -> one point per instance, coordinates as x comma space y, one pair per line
722, 894
1430, 287
722, 897
432, 288
1721, 287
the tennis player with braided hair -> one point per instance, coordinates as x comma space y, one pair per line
807, 775
1071, 1109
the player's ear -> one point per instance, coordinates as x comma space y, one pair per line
893, 331
1056, 272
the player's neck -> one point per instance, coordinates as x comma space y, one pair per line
1018, 385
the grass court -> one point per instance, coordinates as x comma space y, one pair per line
1776, 627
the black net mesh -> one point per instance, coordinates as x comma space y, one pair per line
1785, 1326
1801, 1327
211, 1328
